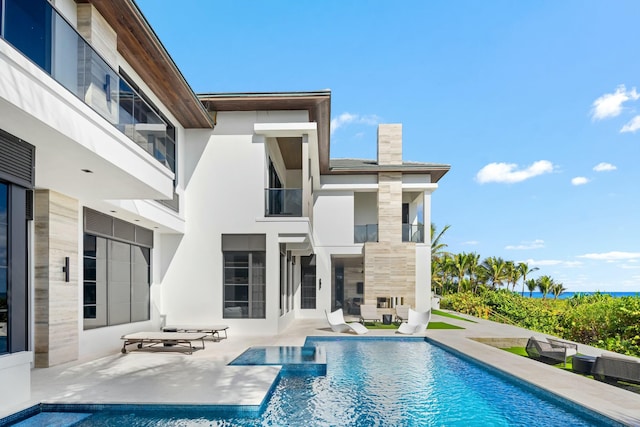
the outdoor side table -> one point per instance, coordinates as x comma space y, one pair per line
582, 364
386, 319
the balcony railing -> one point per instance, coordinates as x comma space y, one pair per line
283, 202
365, 233
413, 233
36, 29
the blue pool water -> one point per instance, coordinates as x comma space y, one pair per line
383, 382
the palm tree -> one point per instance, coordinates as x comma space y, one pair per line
460, 267
512, 274
496, 270
524, 271
557, 289
473, 270
531, 285
544, 284
437, 248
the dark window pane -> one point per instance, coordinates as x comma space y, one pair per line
89, 269
236, 293
89, 245
239, 276
236, 259
89, 293
28, 28
90, 312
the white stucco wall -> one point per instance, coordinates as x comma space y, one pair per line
365, 208
333, 218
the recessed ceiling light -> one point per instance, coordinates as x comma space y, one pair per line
113, 211
136, 220
86, 170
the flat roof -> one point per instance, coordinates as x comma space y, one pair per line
366, 166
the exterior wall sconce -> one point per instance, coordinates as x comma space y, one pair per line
320, 283
65, 269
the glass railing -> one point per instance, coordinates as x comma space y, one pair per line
36, 29
413, 233
283, 202
365, 233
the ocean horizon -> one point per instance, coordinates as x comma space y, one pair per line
568, 294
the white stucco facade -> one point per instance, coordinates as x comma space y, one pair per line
253, 179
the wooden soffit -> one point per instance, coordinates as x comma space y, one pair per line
140, 47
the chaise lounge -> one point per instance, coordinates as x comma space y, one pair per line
164, 339
611, 368
550, 350
338, 324
416, 322
369, 313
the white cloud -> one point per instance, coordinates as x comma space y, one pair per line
632, 126
610, 104
604, 167
579, 180
348, 118
536, 244
470, 242
612, 256
509, 173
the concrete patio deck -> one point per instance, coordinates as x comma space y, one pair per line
204, 378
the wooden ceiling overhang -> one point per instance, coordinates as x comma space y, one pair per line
141, 48
318, 104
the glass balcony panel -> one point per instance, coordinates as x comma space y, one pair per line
283, 202
34, 28
413, 233
365, 233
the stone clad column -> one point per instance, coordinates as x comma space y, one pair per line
390, 263
56, 301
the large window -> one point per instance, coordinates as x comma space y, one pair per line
244, 260
116, 282
4, 267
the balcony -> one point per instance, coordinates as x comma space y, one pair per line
35, 29
283, 202
413, 233
365, 233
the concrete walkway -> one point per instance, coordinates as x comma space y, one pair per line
203, 378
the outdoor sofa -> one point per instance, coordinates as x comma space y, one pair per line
616, 368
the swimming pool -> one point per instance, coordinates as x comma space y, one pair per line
383, 382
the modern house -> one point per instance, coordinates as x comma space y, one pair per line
128, 202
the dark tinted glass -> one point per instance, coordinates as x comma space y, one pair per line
28, 29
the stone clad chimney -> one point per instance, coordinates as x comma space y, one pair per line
390, 144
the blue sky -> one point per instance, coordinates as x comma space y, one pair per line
532, 103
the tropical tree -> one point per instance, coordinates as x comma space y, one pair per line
512, 274
531, 285
460, 267
473, 270
524, 271
437, 247
496, 271
544, 284
557, 289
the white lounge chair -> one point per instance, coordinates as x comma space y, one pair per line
416, 323
369, 313
338, 324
